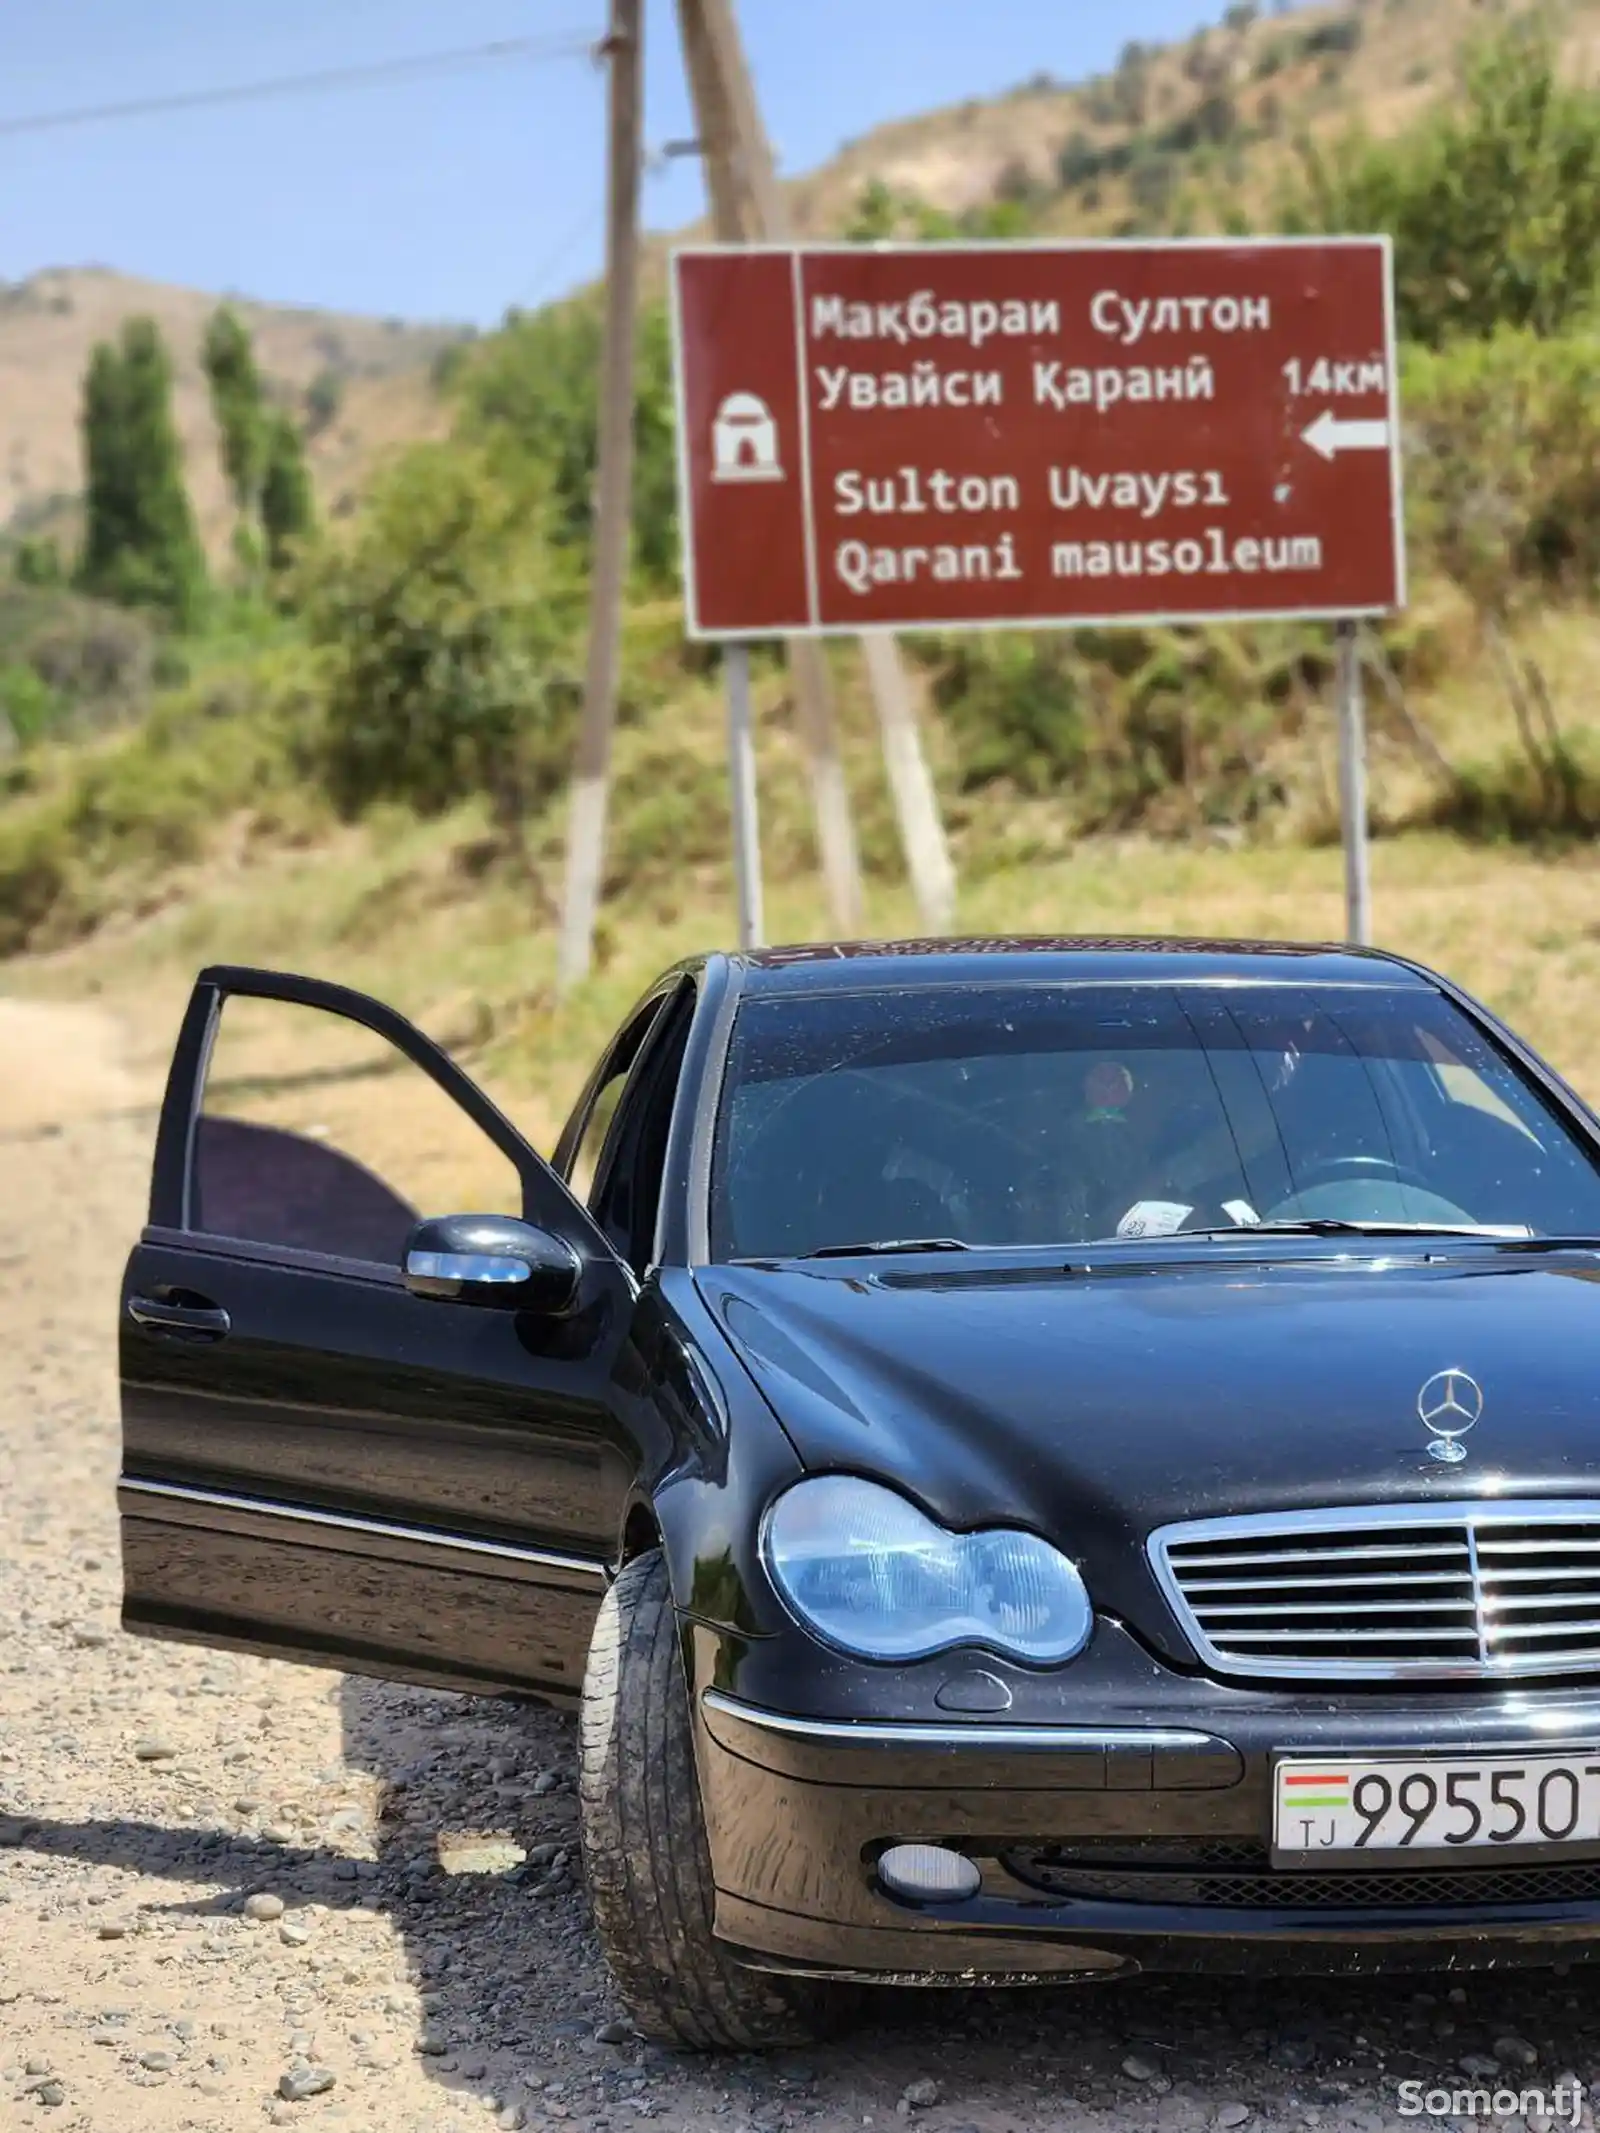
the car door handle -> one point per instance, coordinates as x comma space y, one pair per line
197, 1321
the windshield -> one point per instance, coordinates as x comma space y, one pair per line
1029, 1115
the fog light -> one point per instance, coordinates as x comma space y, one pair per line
928, 1873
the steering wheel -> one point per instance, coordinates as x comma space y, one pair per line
1332, 1168
1378, 1171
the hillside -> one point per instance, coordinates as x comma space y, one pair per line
371, 770
1175, 137
50, 323
1227, 106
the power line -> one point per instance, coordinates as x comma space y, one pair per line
654, 163
560, 252
571, 46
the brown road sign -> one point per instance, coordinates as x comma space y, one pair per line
932, 436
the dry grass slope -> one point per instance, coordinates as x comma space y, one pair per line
409, 911
50, 323
961, 157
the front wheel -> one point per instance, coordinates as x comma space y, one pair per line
644, 1845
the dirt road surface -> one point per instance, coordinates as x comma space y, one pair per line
222, 1902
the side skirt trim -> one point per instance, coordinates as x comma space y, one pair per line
181, 1504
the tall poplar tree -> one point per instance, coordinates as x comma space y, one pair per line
262, 454
238, 404
288, 511
140, 543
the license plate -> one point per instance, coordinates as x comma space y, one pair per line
1346, 1807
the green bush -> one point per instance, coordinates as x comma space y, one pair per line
1082, 162
1503, 463
35, 859
1155, 728
1340, 36
1152, 181
447, 629
1013, 705
95, 655
1553, 793
1493, 200
104, 825
530, 395
29, 707
37, 561
95, 661
324, 399
1078, 162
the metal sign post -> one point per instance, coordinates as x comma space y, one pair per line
742, 784
1353, 788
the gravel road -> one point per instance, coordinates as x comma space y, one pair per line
238, 1892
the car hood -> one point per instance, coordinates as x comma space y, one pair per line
1093, 1407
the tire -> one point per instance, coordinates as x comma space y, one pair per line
644, 1846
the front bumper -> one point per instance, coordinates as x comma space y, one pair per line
1109, 1838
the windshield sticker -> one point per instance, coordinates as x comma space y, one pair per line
1153, 1218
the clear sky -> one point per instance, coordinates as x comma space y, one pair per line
456, 196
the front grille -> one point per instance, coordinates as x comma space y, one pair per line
1236, 1876
1418, 1591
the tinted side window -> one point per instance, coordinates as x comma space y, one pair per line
317, 1135
627, 1190
586, 1156
627, 1046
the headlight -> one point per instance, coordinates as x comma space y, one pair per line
867, 1571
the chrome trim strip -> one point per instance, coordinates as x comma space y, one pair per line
891, 1733
1480, 1620
373, 1528
1477, 1516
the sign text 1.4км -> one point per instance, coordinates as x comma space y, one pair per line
925, 437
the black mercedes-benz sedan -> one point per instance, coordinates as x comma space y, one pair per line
1036, 1458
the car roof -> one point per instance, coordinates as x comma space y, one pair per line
852, 966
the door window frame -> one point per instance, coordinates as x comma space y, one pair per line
652, 1087
545, 1198
619, 1058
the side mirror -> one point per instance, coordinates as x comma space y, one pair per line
493, 1260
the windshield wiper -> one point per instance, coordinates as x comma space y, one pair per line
881, 1245
1342, 1226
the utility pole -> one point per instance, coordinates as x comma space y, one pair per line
916, 803
586, 827
733, 135
747, 207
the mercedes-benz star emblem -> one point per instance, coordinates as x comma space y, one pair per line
1449, 1404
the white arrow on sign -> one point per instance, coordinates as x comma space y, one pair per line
1328, 435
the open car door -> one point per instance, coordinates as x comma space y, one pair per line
319, 1462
